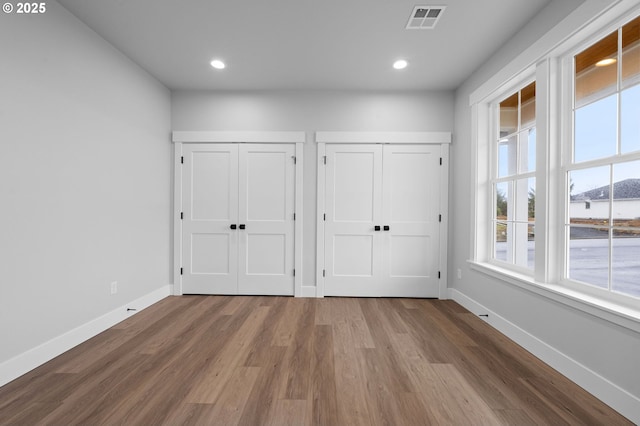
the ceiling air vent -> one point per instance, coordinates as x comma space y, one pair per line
424, 17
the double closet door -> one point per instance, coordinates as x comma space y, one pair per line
382, 220
238, 219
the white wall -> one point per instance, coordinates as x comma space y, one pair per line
608, 350
312, 111
85, 159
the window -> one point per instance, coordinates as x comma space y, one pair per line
557, 176
513, 182
602, 225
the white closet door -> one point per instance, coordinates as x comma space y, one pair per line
353, 253
210, 207
411, 209
266, 208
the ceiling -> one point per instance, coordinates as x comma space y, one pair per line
304, 44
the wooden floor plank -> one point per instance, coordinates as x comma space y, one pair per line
287, 325
323, 403
380, 387
263, 394
514, 417
262, 342
387, 354
323, 311
277, 360
228, 408
471, 408
213, 380
298, 356
288, 412
349, 378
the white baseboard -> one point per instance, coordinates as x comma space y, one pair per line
619, 399
27, 361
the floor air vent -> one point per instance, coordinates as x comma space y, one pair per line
424, 17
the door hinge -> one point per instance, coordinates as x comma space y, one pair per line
441, 161
324, 158
324, 272
181, 160
294, 272
324, 217
180, 271
439, 218
294, 216
294, 159
438, 274
181, 215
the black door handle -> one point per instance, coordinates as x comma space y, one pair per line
376, 228
387, 227
242, 226
233, 226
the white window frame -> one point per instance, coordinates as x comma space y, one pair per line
545, 61
493, 178
567, 110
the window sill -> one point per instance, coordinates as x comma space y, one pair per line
622, 315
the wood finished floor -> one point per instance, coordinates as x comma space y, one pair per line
218, 360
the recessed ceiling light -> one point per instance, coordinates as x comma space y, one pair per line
217, 64
605, 62
400, 64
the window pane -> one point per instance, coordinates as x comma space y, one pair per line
589, 255
596, 130
522, 191
631, 52
509, 115
531, 199
597, 70
532, 246
625, 262
532, 150
527, 150
502, 229
507, 156
502, 200
630, 117
524, 246
589, 196
528, 106
626, 194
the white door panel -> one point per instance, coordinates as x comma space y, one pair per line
202, 247
266, 207
411, 211
353, 202
210, 206
266, 254
354, 185
407, 256
211, 183
353, 256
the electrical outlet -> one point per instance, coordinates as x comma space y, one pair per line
459, 273
114, 287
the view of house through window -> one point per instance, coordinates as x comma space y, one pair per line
514, 185
603, 227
